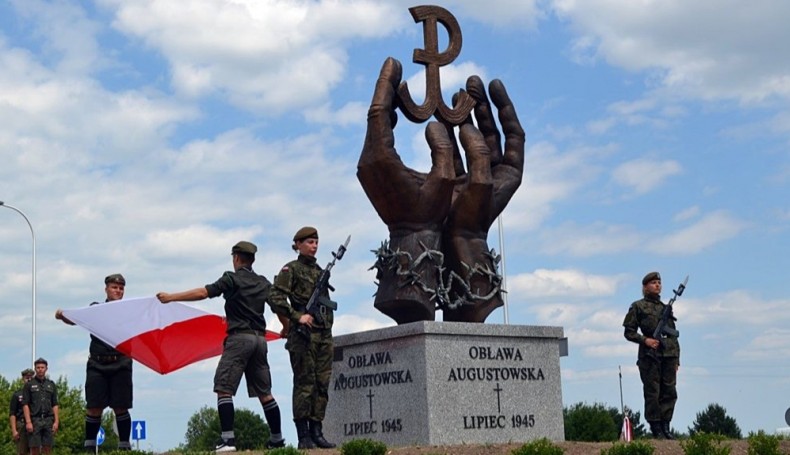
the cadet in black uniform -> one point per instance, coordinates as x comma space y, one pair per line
16, 416
40, 406
245, 350
108, 378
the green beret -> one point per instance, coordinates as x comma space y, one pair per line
244, 247
307, 232
115, 278
28, 372
650, 277
40, 360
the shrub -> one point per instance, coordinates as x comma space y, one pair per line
701, 443
592, 423
763, 444
287, 450
714, 419
633, 448
363, 447
538, 447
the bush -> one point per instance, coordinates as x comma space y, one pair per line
714, 419
632, 448
592, 423
538, 447
701, 443
363, 447
203, 430
287, 450
763, 444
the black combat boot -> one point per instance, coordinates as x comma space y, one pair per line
666, 430
303, 433
317, 434
657, 429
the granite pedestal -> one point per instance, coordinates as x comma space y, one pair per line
447, 383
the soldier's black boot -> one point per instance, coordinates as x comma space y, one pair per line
303, 433
666, 430
657, 429
317, 434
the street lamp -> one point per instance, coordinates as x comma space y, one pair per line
33, 234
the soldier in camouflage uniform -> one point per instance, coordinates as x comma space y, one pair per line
108, 378
40, 406
311, 359
16, 416
658, 360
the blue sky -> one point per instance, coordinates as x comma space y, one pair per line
148, 137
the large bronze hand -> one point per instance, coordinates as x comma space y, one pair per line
493, 177
414, 205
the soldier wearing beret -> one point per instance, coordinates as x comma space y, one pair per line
658, 361
108, 378
244, 351
17, 416
311, 360
40, 408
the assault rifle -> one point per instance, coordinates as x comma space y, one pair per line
318, 304
663, 328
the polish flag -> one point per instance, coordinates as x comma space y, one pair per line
162, 337
626, 433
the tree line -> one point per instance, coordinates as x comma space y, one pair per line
598, 423
583, 422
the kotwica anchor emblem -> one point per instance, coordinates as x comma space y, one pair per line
430, 56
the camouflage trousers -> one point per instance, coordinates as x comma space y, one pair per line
659, 381
311, 362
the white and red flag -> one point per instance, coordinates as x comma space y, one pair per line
626, 433
162, 337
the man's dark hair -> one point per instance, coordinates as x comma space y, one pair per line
246, 258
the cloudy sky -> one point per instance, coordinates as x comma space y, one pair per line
147, 137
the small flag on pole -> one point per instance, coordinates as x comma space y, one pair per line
626, 432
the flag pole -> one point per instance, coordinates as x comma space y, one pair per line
503, 269
626, 431
620, 373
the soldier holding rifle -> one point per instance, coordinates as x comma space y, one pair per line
301, 294
659, 352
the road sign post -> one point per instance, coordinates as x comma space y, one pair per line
138, 431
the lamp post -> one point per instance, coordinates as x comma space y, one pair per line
33, 234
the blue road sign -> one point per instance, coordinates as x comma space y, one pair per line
100, 436
138, 429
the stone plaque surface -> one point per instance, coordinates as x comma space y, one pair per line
445, 383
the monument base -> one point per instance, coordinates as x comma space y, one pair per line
447, 383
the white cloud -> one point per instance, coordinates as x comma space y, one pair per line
259, 54
569, 282
742, 306
551, 176
353, 113
349, 323
711, 229
695, 49
590, 240
771, 344
643, 175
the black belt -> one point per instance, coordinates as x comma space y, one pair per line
106, 358
260, 333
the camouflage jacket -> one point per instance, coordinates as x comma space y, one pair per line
293, 287
643, 316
